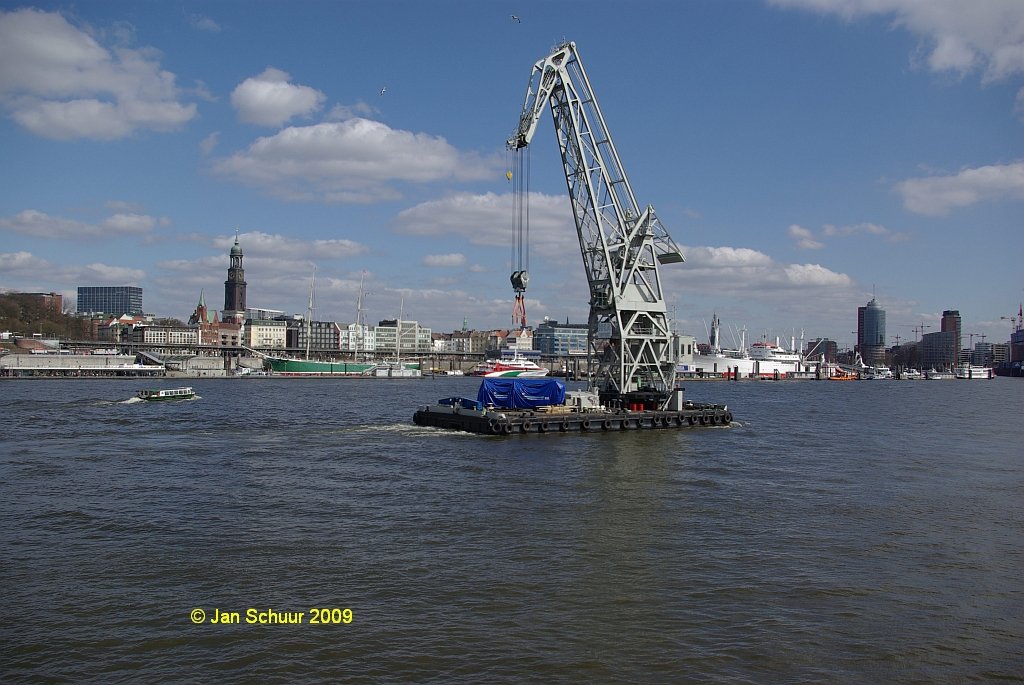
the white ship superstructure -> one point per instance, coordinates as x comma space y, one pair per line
764, 359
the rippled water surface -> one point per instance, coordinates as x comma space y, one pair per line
838, 532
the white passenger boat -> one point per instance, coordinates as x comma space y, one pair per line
876, 373
166, 394
510, 367
971, 372
933, 375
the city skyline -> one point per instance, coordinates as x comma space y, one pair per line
807, 156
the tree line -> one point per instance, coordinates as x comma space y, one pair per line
27, 314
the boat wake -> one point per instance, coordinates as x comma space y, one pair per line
412, 429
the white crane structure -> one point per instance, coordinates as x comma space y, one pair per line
622, 245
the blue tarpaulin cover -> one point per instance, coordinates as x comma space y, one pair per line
521, 393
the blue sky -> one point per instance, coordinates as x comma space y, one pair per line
806, 155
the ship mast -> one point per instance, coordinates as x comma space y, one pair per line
309, 313
359, 315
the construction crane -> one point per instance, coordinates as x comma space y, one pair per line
622, 244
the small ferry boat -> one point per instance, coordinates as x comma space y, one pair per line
167, 394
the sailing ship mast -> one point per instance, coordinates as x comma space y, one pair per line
359, 316
398, 337
309, 313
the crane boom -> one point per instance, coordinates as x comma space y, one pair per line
622, 246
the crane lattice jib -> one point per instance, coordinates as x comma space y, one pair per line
622, 246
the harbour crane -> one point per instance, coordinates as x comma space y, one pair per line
921, 328
622, 244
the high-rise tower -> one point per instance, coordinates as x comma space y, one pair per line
871, 333
951, 324
234, 287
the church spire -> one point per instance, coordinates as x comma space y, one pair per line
234, 287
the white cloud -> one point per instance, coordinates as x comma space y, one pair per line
444, 260
127, 224
342, 112
736, 270
269, 99
803, 275
853, 229
207, 144
57, 81
30, 272
864, 228
804, 238
357, 161
937, 195
749, 288
104, 273
960, 36
204, 23
20, 261
726, 258
279, 247
41, 225
487, 220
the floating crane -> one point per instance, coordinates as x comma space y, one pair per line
622, 245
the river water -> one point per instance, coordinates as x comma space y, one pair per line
861, 532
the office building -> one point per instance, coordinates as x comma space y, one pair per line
871, 333
116, 300
939, 350
561, 339
951, 324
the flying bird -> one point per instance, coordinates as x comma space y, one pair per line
516, 19
383, 89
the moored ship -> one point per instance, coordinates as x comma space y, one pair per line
286, 366
972, 372
764, 359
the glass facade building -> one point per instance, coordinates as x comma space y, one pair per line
871, 333
939, 350
116, 299
561, 339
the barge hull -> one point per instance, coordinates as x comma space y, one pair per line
509, 422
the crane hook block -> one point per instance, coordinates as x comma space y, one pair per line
519, 280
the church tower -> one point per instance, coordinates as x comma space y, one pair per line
234, 287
